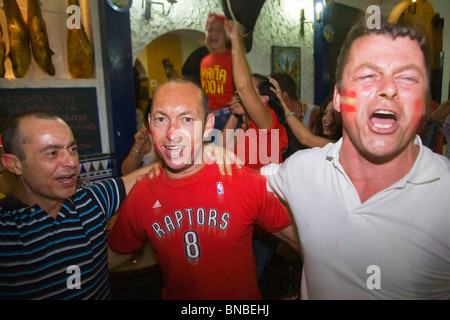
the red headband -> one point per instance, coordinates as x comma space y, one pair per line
215, 16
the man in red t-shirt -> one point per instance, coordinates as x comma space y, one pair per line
199, 222
257, 147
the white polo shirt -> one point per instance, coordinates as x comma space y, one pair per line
396, 245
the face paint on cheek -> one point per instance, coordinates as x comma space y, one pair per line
348, 93
347, 108
348, 101
418, 112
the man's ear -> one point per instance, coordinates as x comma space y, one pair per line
209, 125
11, 163
337, 100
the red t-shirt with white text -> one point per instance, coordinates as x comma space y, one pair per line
200, 229
216, 75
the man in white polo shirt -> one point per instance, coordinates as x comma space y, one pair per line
373, 210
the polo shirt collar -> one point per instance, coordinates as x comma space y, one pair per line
421, 172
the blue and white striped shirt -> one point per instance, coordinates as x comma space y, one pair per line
62, 258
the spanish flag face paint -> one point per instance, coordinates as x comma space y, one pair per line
348, 101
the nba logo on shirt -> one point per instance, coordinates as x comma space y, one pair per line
219, 188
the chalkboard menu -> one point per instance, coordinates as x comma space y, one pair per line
76, 106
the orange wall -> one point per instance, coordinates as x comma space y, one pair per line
160, 49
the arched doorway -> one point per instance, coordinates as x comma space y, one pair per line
191, 67
182, 47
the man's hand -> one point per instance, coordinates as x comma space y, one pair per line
221, 156
153, 170
236, 107
141, 138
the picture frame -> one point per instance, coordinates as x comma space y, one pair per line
287, 59
120, 5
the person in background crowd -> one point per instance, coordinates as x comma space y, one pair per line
372, 210
199, 223
441, 116
141, 153
326, 129
266, 133
216, 73
252, 100
265, 88
53, 237
430, 133
306, 112
329, 122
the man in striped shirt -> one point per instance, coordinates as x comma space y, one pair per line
53, 236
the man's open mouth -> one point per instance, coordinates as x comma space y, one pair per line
383, 119
174, 151
66, 179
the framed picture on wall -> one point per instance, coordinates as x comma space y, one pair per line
287, 59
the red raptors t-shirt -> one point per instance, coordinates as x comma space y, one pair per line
200, 228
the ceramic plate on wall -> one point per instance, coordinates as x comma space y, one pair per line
120, 5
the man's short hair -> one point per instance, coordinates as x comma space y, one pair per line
392, 30
12, 138
203, 96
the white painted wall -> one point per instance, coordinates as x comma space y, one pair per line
278, 24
